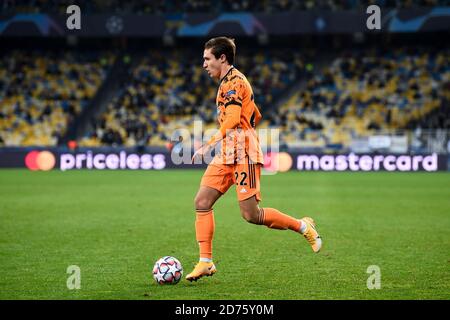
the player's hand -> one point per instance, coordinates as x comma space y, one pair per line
200, 153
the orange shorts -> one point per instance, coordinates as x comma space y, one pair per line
246, 177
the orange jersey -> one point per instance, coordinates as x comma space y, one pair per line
236, 107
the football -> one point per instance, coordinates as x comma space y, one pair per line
167, 270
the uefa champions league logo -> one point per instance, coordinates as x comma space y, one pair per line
114, 24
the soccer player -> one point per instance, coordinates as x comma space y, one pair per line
239, 161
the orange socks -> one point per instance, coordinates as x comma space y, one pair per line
204, 231
275, 219
204, 226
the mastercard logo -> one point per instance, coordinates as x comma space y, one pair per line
40, 160
277, 162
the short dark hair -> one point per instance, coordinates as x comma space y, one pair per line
222, 45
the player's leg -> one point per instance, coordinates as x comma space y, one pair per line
204, 222
215, 182
269, 217
249, 197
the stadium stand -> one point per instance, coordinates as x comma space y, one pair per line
168, 91
363, 92
41, 92
356, 94
46, 96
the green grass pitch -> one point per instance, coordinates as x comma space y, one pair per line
115, 225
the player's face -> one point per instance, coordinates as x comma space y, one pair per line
211, 64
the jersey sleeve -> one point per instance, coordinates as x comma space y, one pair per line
234, 93
231, 121
258, 116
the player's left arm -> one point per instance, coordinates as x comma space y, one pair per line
233, 104
258, 116
232, 120
234, 95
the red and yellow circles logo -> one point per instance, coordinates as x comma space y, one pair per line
40, 160
277, 162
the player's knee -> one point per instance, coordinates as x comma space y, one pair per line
249, 216
202, 203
